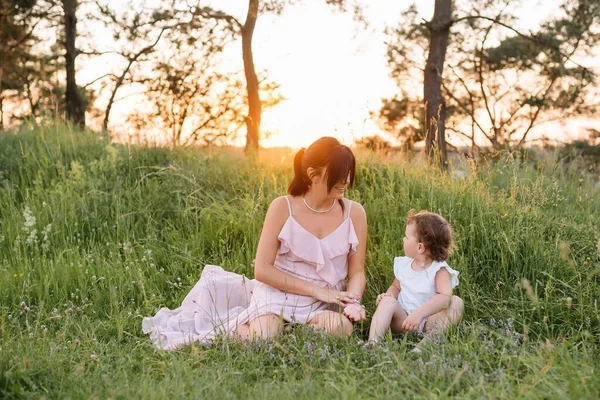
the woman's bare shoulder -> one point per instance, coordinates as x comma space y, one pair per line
357, 212
279, 209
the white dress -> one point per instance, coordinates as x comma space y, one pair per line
222, 300
418, 287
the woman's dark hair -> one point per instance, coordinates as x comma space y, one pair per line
434, 232
325, 153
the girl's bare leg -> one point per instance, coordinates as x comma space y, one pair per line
388, 315
447, 318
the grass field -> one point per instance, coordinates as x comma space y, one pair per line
94, 236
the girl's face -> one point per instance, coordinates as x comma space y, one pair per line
412, 247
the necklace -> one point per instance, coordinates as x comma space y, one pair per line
317, 211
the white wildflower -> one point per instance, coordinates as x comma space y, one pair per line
32, 238
29, 220
45, 240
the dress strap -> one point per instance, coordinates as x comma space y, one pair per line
349, 208
289, 205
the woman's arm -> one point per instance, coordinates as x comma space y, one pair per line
266, 272
356, 262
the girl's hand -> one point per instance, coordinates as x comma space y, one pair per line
337, 297
381, 296
412, 322
354, 312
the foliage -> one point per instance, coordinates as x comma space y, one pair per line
191, 101
94, 236
499, 83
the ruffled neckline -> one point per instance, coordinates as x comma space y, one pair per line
319, 251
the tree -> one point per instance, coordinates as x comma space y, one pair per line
18, 20
500, 82
246, 31
74, 100
435, 109
137, 33
191, 102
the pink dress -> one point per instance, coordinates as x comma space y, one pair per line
222, 300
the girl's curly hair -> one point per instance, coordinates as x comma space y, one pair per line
434, 232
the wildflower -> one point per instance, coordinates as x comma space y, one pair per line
529, 290
29, 220
563, 249
45, 241
32, 238
94, 357
77, 341
25, 306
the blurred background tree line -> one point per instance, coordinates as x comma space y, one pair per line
467, 71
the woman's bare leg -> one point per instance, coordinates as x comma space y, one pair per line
333, 322
263, 327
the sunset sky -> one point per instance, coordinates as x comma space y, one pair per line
331, 72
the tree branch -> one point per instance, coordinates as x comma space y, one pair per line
207, 12
99, 78
529, 37
537, 112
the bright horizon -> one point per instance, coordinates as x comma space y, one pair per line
333, 74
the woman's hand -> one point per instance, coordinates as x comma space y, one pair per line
412, 322
337, 297
354, 312
381, 296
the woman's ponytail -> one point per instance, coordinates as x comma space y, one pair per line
299, 184
329, 159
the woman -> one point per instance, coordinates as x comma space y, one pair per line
311, 242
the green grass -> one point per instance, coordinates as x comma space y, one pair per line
120, 231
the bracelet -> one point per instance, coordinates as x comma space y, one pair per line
356, 301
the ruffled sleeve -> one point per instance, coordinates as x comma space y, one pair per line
400, 264
453, 273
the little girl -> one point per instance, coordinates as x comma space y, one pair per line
420, 298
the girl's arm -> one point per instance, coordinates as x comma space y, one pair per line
266, 272
394, 289
441, 301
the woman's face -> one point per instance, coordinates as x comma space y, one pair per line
319, 183
338, 190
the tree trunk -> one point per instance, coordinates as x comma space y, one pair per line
1, 113
254, 104
75, 107
435, 109
1, 101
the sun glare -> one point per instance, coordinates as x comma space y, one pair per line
332, 74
